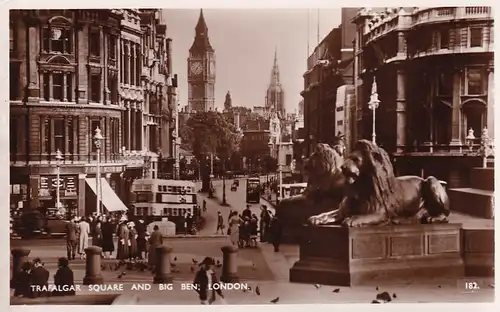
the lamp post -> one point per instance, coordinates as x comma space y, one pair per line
59, 158
470, 139
373, 105
211, 165
97, 141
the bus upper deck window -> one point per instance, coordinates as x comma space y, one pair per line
159, 188
164, 188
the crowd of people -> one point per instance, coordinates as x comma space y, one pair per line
33, 280
244, 229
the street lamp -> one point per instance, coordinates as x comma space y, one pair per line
469, 140
97, 141
373, 105
59, 158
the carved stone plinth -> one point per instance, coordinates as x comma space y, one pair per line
334, 255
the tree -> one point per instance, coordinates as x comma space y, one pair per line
210, 133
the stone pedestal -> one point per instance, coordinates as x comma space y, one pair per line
334, 255
93, 266
229, 265
19, 256
162, 265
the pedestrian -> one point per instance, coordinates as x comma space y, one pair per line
97, 234
189, 223
123, 241
264, 223
84, 237
132, 242
39, 277
155, 240
21, 282
71, 239
184, 220
275, 233
64, 279
204, 205
247, 212
253, 231
233, 224
205, 281
108, 245
220, 223
141, 239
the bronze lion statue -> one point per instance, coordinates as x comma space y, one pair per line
324, 190
375, 196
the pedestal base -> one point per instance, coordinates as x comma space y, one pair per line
229, 278
163, 279
92, 280
333, 255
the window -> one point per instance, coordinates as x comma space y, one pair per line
69, 135
13, 137
122, 65
445, 86
95, 88
46, 135
288, 159
57, 39
475, 81
69, 87
46, 87
113, 86
95, 42
132, 66
444, 38
138, 67
340, 122
14, 81
340, 108
57, 86
58, 135
476, 37
112, 47
125, 69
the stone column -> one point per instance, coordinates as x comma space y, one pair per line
128, 127
34, 49
19, 256
81, 194
93, 266
83, 52
456, 115
162, 265
401, 110
127, 63
132, 65
65, 88
140, 130
229, 265
490, 114
51, 87
133, 132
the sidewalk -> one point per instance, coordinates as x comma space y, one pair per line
290, 293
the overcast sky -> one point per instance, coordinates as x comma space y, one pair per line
244, 41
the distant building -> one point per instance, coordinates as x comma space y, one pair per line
344, 102
275, 94
260, 110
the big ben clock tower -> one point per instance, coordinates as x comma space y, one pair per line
201, 70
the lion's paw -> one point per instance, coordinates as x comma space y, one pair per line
352, 222
314, 220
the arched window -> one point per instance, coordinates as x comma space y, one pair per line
58, 36
474, 116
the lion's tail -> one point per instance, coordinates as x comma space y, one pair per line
435, 197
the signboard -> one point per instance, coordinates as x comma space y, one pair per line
67, 185
177, 198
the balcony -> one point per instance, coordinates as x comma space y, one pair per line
449, 14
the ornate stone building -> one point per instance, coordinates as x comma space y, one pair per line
71, 72
201, 70
434, 72
275, 94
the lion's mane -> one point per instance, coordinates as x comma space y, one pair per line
323, 169
376, 187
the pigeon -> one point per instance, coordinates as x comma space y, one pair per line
194, 261
384, 296
376, 288
336, 290
394, 295
257, 290
375, 301
317, 286
122, 274
275, 300
175, 258
439, 286
492, 285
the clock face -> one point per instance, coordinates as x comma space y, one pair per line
196, 68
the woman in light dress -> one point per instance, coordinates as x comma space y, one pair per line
233, 224
83, 240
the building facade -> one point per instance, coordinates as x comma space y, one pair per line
72, 72
201, 70
434, 73
275, 94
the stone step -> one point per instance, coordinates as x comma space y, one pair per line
471, 201
483, 178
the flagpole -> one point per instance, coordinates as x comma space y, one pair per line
308, 33
317, 31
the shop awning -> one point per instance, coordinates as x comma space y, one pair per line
109, 199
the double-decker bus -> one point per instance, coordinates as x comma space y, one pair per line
289, 190
155, 199
253, 190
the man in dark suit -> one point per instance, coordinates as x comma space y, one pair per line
71, 239
39, 277
64, 278
247, 213
155, 240
205, 280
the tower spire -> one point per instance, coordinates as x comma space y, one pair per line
275, 73
201, 41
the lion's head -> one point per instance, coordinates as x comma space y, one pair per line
323, 169
368, 170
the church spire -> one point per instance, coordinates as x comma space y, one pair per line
201, 42
275, 73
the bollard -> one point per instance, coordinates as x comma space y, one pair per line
229, 266
19, 256
93, 266
162, 265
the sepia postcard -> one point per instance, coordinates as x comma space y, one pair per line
203, 156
